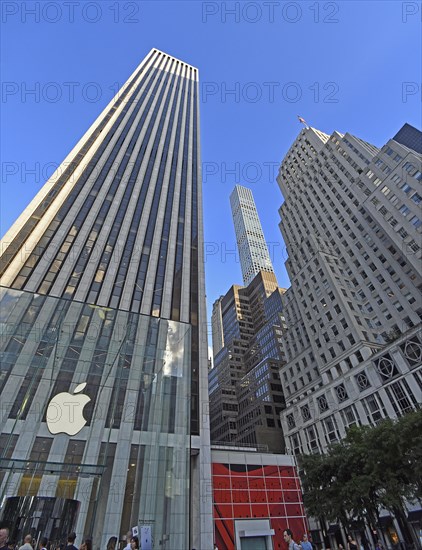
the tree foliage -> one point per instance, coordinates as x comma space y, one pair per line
370, 469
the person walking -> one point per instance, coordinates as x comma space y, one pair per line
288, 538
42, 545
304, 543
86, 545
128, 537
4, 537
27, 543
71, 542
352, 544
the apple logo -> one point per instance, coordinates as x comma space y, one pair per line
65, 412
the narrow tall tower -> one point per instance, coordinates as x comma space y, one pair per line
103, 284
253, 250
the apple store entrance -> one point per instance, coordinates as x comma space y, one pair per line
95, 421
47, 514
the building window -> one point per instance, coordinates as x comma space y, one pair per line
290, 421
322, 403
306, 413
331, 429
362, 381
416, 221
312, 439
386, 368
401, 397
349, 417
412, 350
374, 409
341, 393
296, 444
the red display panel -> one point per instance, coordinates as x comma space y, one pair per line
243, 491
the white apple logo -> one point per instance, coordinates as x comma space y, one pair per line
65, 412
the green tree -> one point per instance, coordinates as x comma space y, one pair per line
409, 430
370, 469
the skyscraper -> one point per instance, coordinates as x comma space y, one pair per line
246, 396
352, 226
103, 284
253, 250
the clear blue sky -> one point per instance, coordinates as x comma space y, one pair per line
340, 65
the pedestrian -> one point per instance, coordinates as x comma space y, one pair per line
42, 545
305, 544
86, 545
4, 537
134, 543
27, 543
111, 545
71, 542
288, 537
352, 544
128, 537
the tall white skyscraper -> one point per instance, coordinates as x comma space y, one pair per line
103, 293
253, 250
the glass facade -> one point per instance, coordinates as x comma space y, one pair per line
119, 226
104, 306
106, 457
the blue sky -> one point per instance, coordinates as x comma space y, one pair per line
346, 66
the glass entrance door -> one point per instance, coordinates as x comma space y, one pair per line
253, 543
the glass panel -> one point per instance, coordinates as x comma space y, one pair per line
120, 430
253, 543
